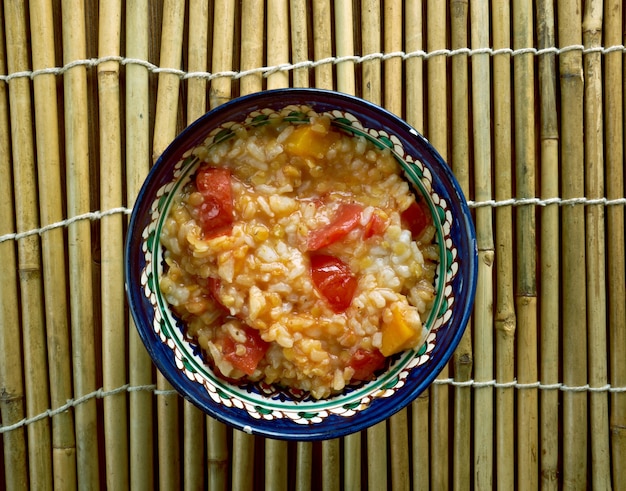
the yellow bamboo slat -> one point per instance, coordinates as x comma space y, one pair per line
504, 317
331, 471
76, 117
222, 60
526, 286
352, 462
165, 129
392, 101
483, 309
217, 455
138, 158
414, 115
595, 249
436, 128
573, 279
112, 290
459, 161
252, 46
344, 46
616, 255
304, 466
549, 250
322, 43
28, 249
194, 420
299, 41
53, 244
277, 45
12, 403
220, 92
243, 458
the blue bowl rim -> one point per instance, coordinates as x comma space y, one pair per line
371, 115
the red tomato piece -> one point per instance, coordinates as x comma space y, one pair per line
334, 280
416, 218
345, 220
216, 211
375, 226
255, 349
365, 363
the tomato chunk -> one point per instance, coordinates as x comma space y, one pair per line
334, 280
345, 220
255, 349
416, 218
216, 211
365, 363
375, 226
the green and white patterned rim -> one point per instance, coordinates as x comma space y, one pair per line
261, 401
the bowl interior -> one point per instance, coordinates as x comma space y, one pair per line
274, 411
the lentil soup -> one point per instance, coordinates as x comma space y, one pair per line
298, 255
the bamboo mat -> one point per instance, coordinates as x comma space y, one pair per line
529, 113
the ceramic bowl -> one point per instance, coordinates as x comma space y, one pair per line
273, 411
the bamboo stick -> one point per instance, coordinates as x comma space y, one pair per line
393, 32
304, 466
377, 456
277, 53
616, 268
573, 248
331, 470
53, 246
299, 41
460, 151
371, 70
352, 462
595, 248
165, 124
414, 101
414, 66
505, 322
252, 47
322, 43
393, 101
371, 90
11, 376
483, 310
252, 21
276, 475
437, 133
165, 130
137, 166
194, 419
549, 233
79, 242
112, 266
277, 42
344, 46
223, 41
28, 249
217, 454
197, 52
243, 461
526, 288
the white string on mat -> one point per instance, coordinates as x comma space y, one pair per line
100, 394
309, 64
97, 215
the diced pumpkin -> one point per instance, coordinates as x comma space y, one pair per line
398, 335
307, 142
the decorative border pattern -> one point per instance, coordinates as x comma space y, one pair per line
261, 401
